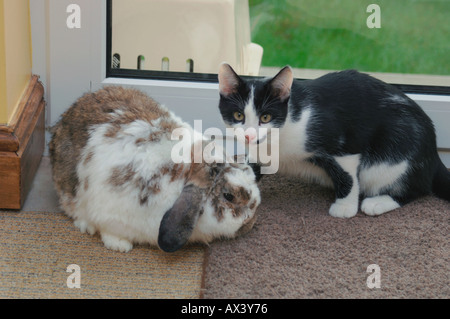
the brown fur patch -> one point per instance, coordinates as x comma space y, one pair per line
218, 209
121, 175
199, 175
88, 158
112, 131
241, 199
148, 188
236, 211
166, 127
140, 141
155, 137
176, 172
243, 195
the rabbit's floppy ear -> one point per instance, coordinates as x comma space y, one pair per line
178, 222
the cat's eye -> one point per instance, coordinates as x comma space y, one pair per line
238, 116
229, 197
266, 118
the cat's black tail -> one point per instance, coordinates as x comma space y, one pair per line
441, 182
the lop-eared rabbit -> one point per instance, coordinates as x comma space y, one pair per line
114, 174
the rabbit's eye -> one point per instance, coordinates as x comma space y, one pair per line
229, 197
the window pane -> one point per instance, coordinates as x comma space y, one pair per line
401, 36
182, 35
401, 41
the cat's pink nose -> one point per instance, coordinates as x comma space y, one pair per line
249, 138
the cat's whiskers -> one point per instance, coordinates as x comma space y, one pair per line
236, 99
264, 104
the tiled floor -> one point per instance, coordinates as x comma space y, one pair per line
42, 196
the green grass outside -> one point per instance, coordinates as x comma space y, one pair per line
332, 34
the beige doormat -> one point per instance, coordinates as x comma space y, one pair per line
36, 249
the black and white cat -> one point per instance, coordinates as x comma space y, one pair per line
346, 130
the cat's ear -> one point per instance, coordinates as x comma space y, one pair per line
228, 80
282, 82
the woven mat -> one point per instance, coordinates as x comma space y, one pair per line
39, 243
36, 249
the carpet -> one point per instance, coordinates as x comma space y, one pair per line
39, 243
296, 250
36, 250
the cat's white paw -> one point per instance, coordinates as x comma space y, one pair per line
84, 226
378, 205
116, 243
343, 209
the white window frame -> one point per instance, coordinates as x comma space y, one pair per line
71, 62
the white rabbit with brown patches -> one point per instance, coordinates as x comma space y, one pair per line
112, 167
